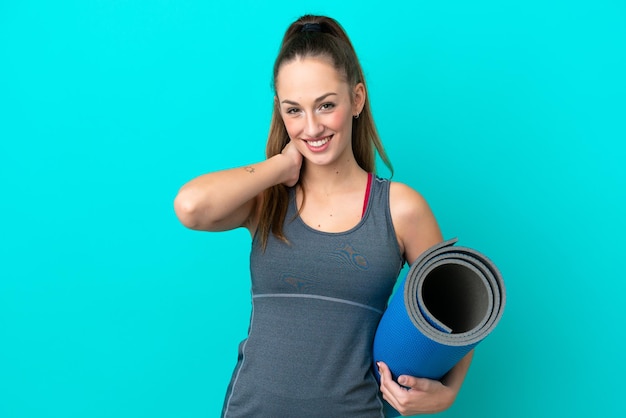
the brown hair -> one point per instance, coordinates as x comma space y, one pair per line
329, 40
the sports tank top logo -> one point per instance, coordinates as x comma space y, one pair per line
297, 283
347, 254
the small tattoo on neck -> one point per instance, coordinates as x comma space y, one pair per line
250, 169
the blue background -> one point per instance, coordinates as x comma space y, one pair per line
509, 117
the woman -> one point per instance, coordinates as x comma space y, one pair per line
329, 238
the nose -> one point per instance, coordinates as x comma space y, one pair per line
313, 127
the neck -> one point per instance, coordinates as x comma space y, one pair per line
333, 178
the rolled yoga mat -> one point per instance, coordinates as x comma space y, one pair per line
449, 301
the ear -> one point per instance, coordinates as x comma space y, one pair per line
358, 98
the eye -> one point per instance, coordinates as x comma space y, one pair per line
327, 106
292, 111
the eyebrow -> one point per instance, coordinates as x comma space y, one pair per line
319, 99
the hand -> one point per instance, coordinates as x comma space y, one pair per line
295, 158
423, 396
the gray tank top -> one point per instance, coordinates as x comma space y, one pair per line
316, 303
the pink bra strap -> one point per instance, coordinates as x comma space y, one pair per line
367, 193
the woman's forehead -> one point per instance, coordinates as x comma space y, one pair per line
309, 78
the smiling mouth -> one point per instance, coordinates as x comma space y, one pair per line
316, 143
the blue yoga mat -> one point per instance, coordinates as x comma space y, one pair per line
451, 298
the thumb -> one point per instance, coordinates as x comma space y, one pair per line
414, 383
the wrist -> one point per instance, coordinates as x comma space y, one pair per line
288, 169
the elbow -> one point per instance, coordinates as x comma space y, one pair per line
186, 209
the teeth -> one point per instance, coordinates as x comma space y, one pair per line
318, 143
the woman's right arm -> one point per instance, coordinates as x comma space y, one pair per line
227, 199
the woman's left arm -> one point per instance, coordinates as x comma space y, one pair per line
423, 396
417, 230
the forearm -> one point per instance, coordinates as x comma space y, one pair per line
213, 200
455, 377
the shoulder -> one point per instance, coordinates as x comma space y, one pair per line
413, 220
406, 204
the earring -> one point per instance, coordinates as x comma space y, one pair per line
357, 116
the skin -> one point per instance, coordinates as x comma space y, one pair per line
317, 106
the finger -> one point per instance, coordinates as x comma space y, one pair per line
413, 382
386, 378
385, 373
388, 385
419, 384
385, 381
383, 369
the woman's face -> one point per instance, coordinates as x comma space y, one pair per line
317, 106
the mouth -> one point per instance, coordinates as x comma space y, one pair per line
318, 143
